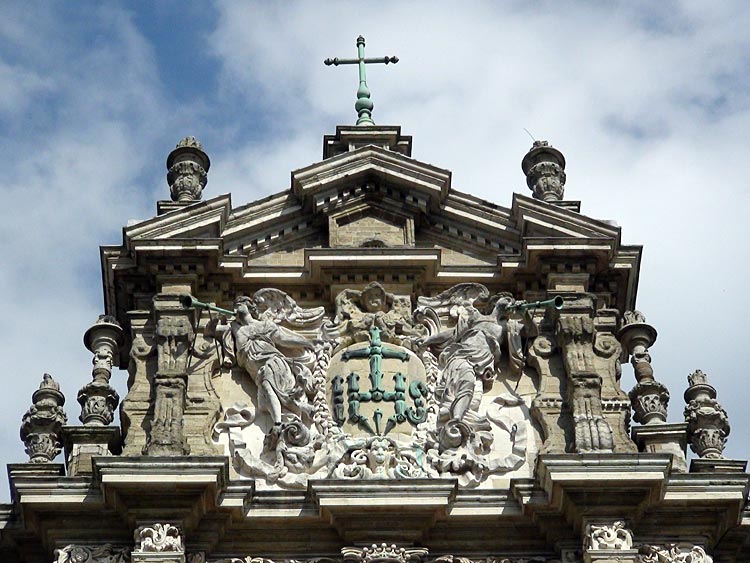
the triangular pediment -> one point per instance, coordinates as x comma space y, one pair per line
380, 213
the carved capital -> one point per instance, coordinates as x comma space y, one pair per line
158, 538
609, 536
98, 402
649, 400
174, 333
383, 553
42, 424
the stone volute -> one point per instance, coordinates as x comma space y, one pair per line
98, 399
708, 423
649, 398
544, 167
187, 170
42, 424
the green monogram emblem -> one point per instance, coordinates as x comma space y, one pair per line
376, 352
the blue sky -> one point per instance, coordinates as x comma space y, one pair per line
648, 101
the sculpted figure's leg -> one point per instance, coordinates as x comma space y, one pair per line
462, 385
271, 401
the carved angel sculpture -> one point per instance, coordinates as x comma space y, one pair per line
357, 311
471, 350
273, 355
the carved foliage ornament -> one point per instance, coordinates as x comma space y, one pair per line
158, 538
98, 554
673, 553
42, 424
708, 423
613, 536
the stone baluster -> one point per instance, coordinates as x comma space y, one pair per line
98, 399
42, 424
708, 423
187, 171
649, 397
544, 167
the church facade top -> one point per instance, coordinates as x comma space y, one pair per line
371, 366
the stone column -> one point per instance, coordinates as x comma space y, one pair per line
649, 398
42, 424
158, 543
98, 401
608, 542
544, 167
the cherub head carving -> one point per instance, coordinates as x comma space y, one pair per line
374, 298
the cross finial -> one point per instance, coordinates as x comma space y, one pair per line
364, 104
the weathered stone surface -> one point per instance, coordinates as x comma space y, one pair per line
42, 424
708, 423
386, 384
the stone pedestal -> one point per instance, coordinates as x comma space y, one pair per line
84, 442
707, 465
610, 556
665, 438
171, 557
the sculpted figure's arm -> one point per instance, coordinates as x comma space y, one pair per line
438, 338
289, 339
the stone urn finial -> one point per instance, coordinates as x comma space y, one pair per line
544, 167
42, 424
187, 170
98, 399
708, 423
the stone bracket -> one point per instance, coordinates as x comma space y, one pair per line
405, 509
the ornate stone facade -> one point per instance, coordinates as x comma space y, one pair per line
373, 360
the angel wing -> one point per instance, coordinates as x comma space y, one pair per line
461, 294
346, 305
277, 306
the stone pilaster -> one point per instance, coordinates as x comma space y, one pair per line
575, 336
174, 337
42, 424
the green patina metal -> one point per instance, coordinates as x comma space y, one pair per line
364, 104
375, 353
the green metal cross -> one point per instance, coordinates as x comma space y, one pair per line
363, 105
